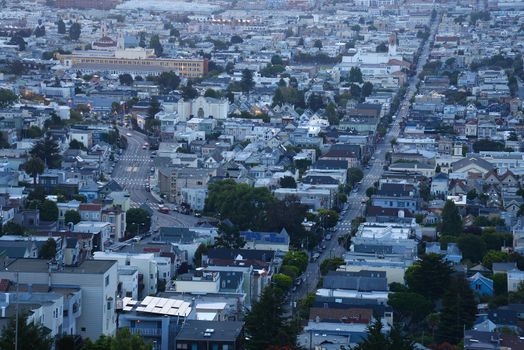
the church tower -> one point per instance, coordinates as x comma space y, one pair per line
392, 50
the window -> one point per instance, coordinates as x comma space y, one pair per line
194, 346
214, 347
225, 347
107, 281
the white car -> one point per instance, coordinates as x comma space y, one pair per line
129, 134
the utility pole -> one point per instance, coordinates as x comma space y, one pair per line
16, 310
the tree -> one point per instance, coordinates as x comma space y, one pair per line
382, 47
7, 98
355, 91
265, 324
48, 211
34, 132
30, 336
72, 216
154, 43
211, 93
472, 194
296, 258
494, 256
74, 31
142, 39
318, 44
123, 340
367, 89
355, 75
328, 218
168, 81
331, 113
12, 228
39, 31
283, 282
47, 150
331, 265
75, 144
429, 276
355, 175
458, 311
126, 79
315, 102
277, 60
154, 107
34, 167
48, 250
201, 250
288, 182
451, 222
376, 339
61, 27
137, 220
235, 39
500, 283
189, 92
472, 247
17, 39
247, 82
410, 307
229, 237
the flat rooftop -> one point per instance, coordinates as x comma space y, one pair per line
41, 266
210, 330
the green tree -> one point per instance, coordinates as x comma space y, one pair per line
382, 47
500, 283
201, 250
168, 81
235, 39
429, 276
74, 31
410, 307
154, 43
137, 220
355, 75
331, 265
296, 258
34, 132
494, 256
61, 27
48, 250
189, 92
75, 144
317, 44
472, 247
12, 228
123, 340
7, 98
328, 218
126, 79
72, 216
367, 89
142, 39
30, 336
265, 324
288, 182
315, 102
284, 282
47, 150
34, 167
154, 107
472, 194
276, 59
375, 339
291, 271
332, 114
211, 93
229, 237
458, 311
17, 39
247, 82
355, 175
48, 211
451, 222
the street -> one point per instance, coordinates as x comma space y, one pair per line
132, 171
354, 207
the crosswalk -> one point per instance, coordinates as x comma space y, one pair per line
135, 158
152, 205
125, 181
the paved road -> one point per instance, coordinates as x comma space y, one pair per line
354, 206
132, 172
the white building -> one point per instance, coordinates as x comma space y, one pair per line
145, 264
203, 107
